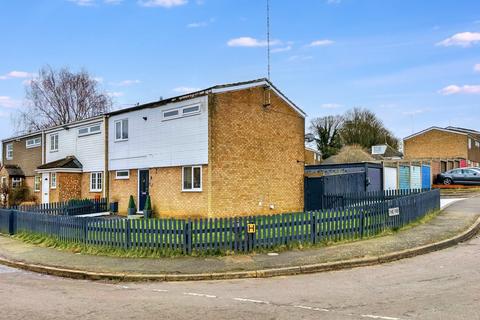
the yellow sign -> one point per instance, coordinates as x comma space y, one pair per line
251, 228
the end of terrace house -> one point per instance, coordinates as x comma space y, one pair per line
232, 149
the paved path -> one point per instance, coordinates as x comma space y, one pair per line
456, 218
439, 285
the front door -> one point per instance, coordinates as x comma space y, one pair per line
143, 184
45, 188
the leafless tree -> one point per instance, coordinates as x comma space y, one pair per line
60, 96
327, 135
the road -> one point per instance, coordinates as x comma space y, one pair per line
440, 285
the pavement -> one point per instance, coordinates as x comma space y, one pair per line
458, 222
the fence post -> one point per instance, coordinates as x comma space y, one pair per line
187, 236
313, 222
362, 219
85, 230
12, 225
127, 234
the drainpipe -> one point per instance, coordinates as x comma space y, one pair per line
106, 189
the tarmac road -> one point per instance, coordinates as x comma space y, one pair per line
440, 285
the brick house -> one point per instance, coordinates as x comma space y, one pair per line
20, 157
451, 145
75, 161
235, 149
312, 156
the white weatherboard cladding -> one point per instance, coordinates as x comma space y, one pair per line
154, 143
416, 177
390, 178
89, 150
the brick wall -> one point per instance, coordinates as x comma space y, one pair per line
310, 158
68, 187
85, 187
120, 190
27, 159
436, 144
256, 155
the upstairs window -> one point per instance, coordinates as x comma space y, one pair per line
54, 142
121, 130
9, 151
192, 178
89, 130
34, 142
181, 112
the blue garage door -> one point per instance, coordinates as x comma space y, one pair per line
426, 174
404, 178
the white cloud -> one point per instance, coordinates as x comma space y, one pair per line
466, 89
83, 3
185, 89
126, 83
331, 106
250, 42
17, 75
8, 102
463, 39
476, 67
200, 24
333, 1
113, 2
116, 94
283, 49
321, 43
162, 3
415, 112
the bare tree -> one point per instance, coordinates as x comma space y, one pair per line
363, 127
327, 135
60, 96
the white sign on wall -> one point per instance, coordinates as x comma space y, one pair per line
393, 212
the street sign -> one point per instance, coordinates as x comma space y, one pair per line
393, 212
251, 228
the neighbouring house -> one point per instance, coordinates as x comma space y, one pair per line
235, 149
385, 152
349, 154
20, 157
312, 156
451, 146
75, 161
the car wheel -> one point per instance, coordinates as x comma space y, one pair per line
447, 181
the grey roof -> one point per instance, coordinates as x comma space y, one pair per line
14, 170
69, 162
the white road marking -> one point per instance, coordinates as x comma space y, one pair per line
378, 317
251, 300
160, 290
125, 287
311, 308
199, 295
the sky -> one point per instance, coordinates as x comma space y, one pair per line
414, 63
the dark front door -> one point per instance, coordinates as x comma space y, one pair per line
143, 184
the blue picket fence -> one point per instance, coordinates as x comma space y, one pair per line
67, 208
231, 234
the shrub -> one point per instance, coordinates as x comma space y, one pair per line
148, 204
20, 194
131, 203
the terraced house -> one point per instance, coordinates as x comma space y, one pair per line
21, 156
235, 149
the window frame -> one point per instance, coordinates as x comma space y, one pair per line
34, 144
53, 180
9, 153
181, 112
89, 130
37, 183
192, 189
120, 121
54, 142
124, 177
97, 183
16, 180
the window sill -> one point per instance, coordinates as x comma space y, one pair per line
53, 151
53, 188
96, 191
192, 190
121, 140
88, 134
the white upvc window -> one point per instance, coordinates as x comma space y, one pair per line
9, 154
32, 143
181, 112
121, 130
54, 142
122, 174
86, 131
36, 183
96, 181
53, 180
192, 178
16, 182
477, 144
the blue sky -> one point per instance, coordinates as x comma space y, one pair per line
415, 63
